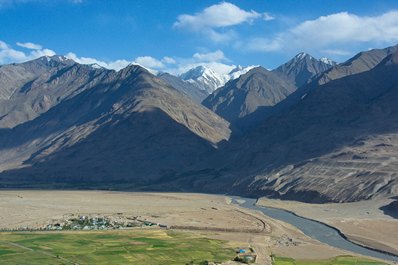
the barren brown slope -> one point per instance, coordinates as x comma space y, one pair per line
29, 89
130, 128
339, 143
244, 95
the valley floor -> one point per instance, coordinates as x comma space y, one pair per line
202, 216
362, 222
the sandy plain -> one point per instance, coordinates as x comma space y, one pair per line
210, 215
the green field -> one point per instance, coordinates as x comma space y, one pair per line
111, 247
342, 260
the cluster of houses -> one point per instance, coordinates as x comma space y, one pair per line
95, 222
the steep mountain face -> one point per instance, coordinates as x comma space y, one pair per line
303, 67
258, 88
30, 89
185, 87
131, 128
338, 143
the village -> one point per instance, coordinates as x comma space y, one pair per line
90, 222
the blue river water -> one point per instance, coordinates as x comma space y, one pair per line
314, 229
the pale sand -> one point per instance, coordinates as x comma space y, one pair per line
362, 222
203, 214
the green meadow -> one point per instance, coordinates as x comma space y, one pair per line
111, 247
342, 260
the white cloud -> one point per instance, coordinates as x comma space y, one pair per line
168, 60
331, 32
149, 62
268, 17
216, 16
174, 65
11, 55
214, 60
210, 56
220, 15
30, 45
115, 65
336, 52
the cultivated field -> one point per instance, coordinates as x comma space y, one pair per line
145, 246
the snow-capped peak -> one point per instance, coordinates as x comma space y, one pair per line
301, 55
209, 80
204, 78
327, 61
198, 72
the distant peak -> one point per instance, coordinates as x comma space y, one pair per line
197, 72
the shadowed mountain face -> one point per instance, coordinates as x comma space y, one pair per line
132, 127
244, 95
30, 89
362, 62
246, 101
338, 143
185, 87
303, 67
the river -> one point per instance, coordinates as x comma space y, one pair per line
314, 229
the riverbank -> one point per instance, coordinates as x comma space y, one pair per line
361, 222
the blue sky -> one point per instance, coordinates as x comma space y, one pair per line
174, 35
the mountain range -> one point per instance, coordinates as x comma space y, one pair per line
246, 100
310, 130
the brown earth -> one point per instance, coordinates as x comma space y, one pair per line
209, 215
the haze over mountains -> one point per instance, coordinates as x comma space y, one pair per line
311, 129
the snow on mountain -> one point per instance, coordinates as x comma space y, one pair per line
209, 80
204, 78
240, 70
327, 61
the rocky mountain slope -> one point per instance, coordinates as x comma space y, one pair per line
303, 67
333, 139
130, 128
244, 95
185, 87
247, 101
338, 143
32, 88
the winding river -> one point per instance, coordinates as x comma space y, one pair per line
314, 229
